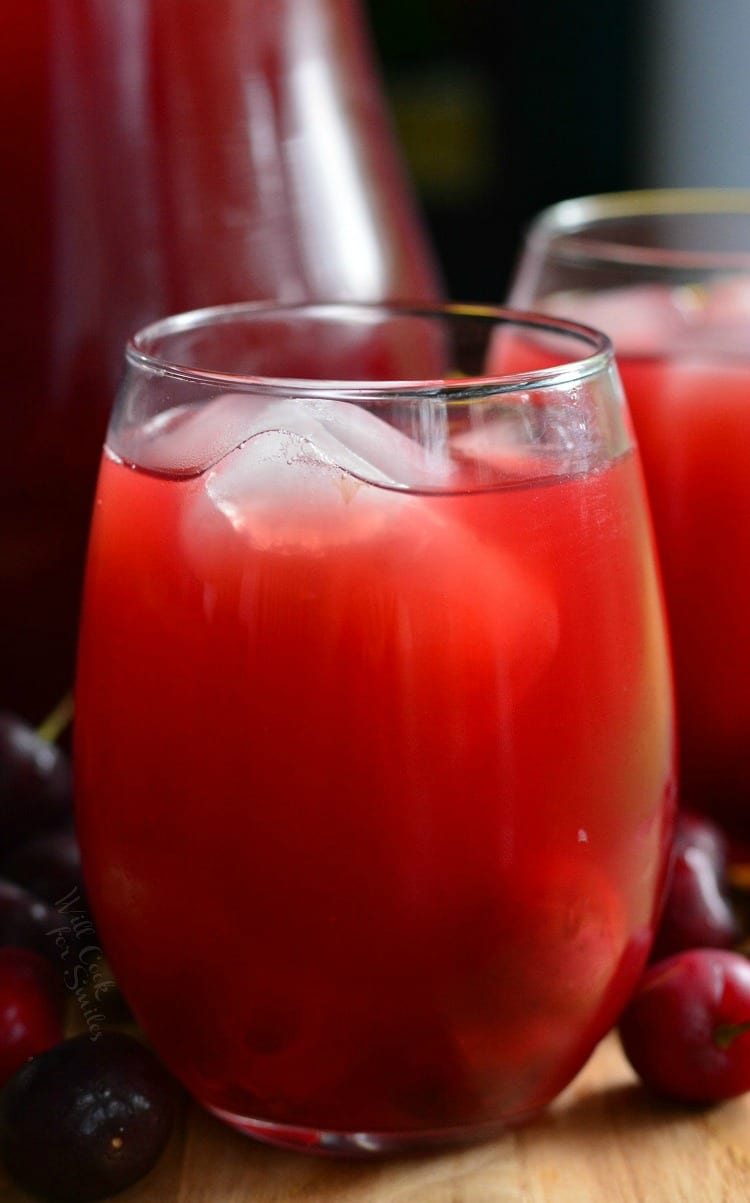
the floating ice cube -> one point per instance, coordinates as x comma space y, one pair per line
187, 439
494, 447
643, 320
333, 504
727, 299
298, 467
449, 611
190, 439
656, 320
522, 441
357, 441
722, 324
280, 490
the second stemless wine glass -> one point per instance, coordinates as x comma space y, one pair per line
667, 276
374, 732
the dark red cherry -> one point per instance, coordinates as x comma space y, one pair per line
86, 1118
28, 922
697, 831
35, 782
47, 865
697, 912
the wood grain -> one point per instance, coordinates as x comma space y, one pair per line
603, 1141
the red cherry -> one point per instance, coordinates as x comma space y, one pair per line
696, 831
686, 1030
31, 1008
697, 912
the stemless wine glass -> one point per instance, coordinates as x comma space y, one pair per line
374, 732
667, 276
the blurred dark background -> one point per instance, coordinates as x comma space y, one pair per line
504, 108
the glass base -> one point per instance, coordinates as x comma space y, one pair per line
365, 1144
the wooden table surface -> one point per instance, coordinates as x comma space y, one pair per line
603, 1141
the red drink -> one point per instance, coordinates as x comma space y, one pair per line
666, 274
691, 414
683, 357
374, 784
161, 155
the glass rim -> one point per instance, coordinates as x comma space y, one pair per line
558, 228
138, 354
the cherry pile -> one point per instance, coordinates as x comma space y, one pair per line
84, 1117
686, 1029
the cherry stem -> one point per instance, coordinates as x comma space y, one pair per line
57, 720
726, 1033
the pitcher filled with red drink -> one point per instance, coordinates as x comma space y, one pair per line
160, 156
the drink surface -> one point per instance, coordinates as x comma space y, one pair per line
684, 360
375, 785
163, 156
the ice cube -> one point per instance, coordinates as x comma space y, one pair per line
187, 439
722, 324
316, 507
278, 526
522, 441
494, 447
280, 490
642, 320
295, 477
727, 299
357, 441
190, 439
